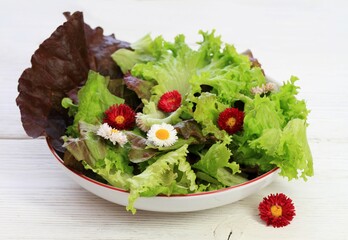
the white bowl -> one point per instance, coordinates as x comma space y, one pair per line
174, 203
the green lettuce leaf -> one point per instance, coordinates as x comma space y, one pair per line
274, 134
143, 50
261, 114
207, 112
114, 168
172, 71
109, 161
216, 163
286, 100
67, 103
178, 63
171, 173
229, 76
87, 147
94, 98
295, 148
289, 149
152, 115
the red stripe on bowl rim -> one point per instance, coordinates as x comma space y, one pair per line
58, 158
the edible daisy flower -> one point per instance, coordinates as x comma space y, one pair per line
170, 101
277, 210
119, 137
263, 89
231, 120
120, 116
104, 131
257, 90
269, 87
162, 135
112, 134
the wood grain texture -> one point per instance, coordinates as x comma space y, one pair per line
304, 38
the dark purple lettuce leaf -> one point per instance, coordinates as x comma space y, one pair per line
190, 128
59, 68
138, 152
119, 88
100, 48
141, 87
253, 60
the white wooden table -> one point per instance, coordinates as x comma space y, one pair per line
306, 38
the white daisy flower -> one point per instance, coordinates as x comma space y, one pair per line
162, 135
104, 131
112, 134
257, 90
118, 137
269, 87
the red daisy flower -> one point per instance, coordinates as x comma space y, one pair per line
231, 120
277, 210
120, 116
170, 101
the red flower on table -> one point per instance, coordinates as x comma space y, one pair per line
170, 101
231, 120
277, 210
120, 116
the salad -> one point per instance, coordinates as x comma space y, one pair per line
157, 117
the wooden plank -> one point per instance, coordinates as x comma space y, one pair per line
45, 204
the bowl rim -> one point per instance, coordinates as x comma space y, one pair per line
90, 180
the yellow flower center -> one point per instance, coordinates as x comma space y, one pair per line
276, 211
119, 119
231, 122
162, 134
114, 130
171, 100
